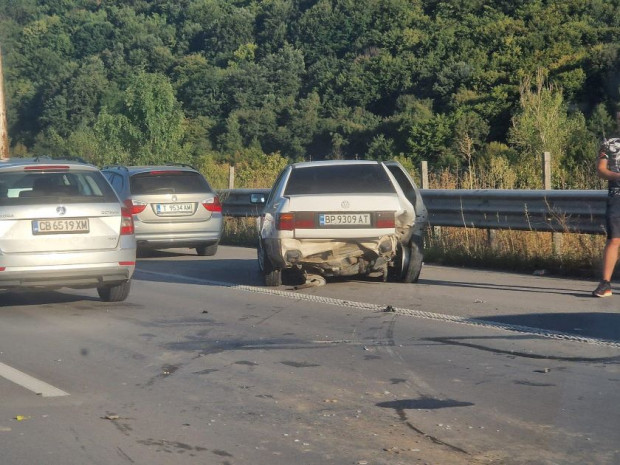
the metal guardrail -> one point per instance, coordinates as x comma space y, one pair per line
578, 211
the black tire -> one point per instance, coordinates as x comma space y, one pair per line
271, 275
206, 250
416, 257
116, 293
407, 262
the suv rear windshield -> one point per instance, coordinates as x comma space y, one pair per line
168, 182
40, 187
340, 179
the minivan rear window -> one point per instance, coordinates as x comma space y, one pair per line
339, 179
168, 182
44, 188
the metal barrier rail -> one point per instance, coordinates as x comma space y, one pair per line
578, 211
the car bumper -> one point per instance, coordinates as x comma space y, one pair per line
334, 258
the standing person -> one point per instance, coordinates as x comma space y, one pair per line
608, 167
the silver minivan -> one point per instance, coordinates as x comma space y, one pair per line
172, 206
62, 225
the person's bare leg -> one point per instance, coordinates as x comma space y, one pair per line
610, 257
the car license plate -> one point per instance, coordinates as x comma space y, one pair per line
174, 209
63, 226
344, 219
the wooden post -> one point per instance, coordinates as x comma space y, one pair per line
4, 134
556, 237
231, 177
547, 171
424, 174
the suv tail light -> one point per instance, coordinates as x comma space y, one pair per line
126, 222
213, 205
299, 220
135, 206
385, 220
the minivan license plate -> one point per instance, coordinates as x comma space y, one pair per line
344, 219
63, 226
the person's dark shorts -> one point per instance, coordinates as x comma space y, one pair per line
612, 216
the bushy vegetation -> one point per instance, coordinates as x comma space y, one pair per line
466, 85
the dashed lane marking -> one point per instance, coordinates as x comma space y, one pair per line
32, 384
545, 333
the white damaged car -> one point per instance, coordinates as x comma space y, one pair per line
342, 218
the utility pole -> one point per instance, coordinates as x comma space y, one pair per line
4, 133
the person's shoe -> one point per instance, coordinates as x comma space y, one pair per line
603, 289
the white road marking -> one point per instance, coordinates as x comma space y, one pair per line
545, 333
32, 384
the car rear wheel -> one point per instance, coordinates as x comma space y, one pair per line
116, 293
206, 250
272, 275
408, 262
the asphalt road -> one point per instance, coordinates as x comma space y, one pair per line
204, 365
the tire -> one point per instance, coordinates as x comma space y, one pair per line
271, 275
116, 293
408, 262
416, 256
206, 250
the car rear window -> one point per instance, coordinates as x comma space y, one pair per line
340, 179
43, 188
165, 182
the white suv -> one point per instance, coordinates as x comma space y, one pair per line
343, 218
62, 225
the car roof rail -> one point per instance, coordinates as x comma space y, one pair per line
115, 167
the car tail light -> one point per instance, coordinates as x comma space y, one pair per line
127, 263
285, 222
126, 222
213, 205
135, 206
299, 220
2, 268
385, 220
304, 220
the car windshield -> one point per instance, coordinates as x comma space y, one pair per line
176, 182
339, 179
40, 187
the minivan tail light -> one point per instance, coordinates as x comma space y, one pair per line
213, 204
135, 206
126, 222
385, 220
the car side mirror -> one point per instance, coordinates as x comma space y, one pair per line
257, 198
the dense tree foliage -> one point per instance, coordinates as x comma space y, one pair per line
457, 83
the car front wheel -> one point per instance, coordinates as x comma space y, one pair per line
116, 293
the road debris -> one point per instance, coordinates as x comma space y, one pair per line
21, 418
389, 309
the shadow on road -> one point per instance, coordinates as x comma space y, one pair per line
590, 325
